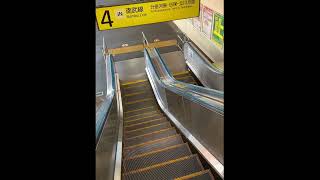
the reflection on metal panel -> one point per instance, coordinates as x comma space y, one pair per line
212, 51
205, 72
106, 148
198, 123
131, 70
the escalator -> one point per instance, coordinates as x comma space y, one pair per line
186, 77
152, 147
158, 125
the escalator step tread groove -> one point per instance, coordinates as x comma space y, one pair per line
139, 101
139, 105
150, 137
127, 113
167, 170
145, 124
137, 97
146, 130
143, 135
135, 89
143, 116
152, 146
201, 175
156, 157
130, 123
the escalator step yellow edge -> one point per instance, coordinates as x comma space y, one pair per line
154, 132
133, 94
192, 175
180, 73
144, 122
145, 127
142, 114
139, 109
139, 85
134, 82
132, 120
183, 77
155, 151
137, 101
150, 142
160, 164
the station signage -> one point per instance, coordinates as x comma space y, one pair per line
121, 16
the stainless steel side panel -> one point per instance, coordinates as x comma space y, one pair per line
204, 128
106, 148
205, 72
131, 70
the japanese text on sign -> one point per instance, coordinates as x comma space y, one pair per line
145, 13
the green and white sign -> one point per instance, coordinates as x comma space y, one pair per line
218, 30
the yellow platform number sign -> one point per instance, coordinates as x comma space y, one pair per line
145, 13
218, 30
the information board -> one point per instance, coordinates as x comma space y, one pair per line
145, 13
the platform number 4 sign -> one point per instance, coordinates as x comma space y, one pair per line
108, 20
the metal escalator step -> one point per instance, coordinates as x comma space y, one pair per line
138, 101
138, 105
150, 137
153, 111
146, 130
130, 83
140, 111
167, 170
187, 80
183, 77
145, 95
155, 114
152, 146
142, 120
156, 157
145, 124
201, 175
134, 94
142, 135
136, 89
181, 74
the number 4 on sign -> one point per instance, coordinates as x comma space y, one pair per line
109, 19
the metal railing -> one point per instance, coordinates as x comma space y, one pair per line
198, 112
209, 75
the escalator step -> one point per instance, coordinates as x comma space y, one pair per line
143, 119
144, 95
135, 89
145, 124
181, 74
140, 111
152, 111
187, 80
138, 101
167, 170
202, 175
152, 146
150, 137
135, 83
156, 157
138, 132
142, 116
143, 103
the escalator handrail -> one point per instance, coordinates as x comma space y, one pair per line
175, 86
209, 93
104, 109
